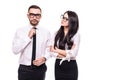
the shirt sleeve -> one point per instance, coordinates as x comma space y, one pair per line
53, 54
50, 54
51, 43
73, 52
20, 41
47, 55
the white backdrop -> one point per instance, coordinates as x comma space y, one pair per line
99, 53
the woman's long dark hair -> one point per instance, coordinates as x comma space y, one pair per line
73, 25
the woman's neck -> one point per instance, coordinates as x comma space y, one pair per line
65, 30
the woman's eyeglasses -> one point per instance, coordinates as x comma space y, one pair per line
32, 15
64, 18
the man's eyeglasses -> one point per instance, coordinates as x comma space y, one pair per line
32, 15
64, 18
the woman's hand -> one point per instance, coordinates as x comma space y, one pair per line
61, 53
56, 50
60, 56
52, 49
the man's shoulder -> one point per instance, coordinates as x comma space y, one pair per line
22, 29
43, 29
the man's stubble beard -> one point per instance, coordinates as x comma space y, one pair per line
34, 22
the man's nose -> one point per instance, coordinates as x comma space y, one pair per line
34, 17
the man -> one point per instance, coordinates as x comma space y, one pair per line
32, 56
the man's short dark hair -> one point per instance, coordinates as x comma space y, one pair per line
34, 6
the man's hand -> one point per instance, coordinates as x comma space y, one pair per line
39, 61
31, 33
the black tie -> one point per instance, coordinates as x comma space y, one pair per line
33, 48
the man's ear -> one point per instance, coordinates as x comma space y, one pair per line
28, 15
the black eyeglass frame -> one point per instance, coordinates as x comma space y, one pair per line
34, 15
64, 18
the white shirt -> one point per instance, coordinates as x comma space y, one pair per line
23, 44
70, 54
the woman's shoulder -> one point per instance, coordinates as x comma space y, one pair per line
54, 33
77, 34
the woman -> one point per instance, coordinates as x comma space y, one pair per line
65, 47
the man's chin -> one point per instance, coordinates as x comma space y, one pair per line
34, 24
